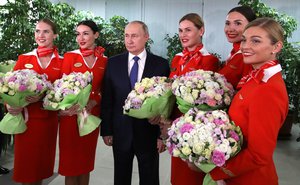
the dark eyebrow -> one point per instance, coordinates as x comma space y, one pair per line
239, 20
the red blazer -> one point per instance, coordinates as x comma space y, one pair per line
74, 62
181, 174
259, 110
235, 68
207, 62
53, 71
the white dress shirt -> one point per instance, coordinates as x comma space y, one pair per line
141, 63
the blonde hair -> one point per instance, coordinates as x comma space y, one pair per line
273, 28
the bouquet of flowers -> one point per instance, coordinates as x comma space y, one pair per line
72, 89
150, 97
205, 138
15, 86
7, 65
205, 90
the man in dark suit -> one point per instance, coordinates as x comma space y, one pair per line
129, 136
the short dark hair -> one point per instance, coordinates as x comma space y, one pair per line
90, 24
246, 11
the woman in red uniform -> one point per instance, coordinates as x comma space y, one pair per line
234, 68
259, 108
35, 148
193, 57
77, 154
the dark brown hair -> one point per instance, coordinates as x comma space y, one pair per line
89, 23
246, 11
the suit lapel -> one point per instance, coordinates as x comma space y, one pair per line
149, 67
124, 69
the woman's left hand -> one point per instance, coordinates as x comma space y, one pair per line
164, 131
193, 167
90, 105
161, 147
33, 99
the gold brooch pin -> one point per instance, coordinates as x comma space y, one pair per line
78, 64
232, 66
29, 66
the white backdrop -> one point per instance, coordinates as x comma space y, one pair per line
162, 17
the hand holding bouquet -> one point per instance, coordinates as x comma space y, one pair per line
149, 98
205, 138
7, 66
18, 89
70, 91
205, 90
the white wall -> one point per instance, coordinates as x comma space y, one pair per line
162, 17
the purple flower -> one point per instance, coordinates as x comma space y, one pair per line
171, 148
219, 121
220, 91
234, 135
171, 132
218, 158
12, 79
22, 87
187, 127
39, 87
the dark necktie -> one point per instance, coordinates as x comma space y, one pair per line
134, 71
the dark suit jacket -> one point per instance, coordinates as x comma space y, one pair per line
127, 131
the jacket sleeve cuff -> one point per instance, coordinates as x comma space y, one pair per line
219, 173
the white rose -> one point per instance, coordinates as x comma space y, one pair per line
197, 148
195, 93
11, 92
189, 98
176, 152
77, 83
186, 136
186, 150
4, 89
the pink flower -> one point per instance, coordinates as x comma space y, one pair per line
218, 158
12, 79
186, 128
212, 102
39, 87
219, 121
141, 89
234, 135
171, 148
22, 88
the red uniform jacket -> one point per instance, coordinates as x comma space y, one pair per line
53, 71
235, 68
73, 62
207, 62
259, 109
